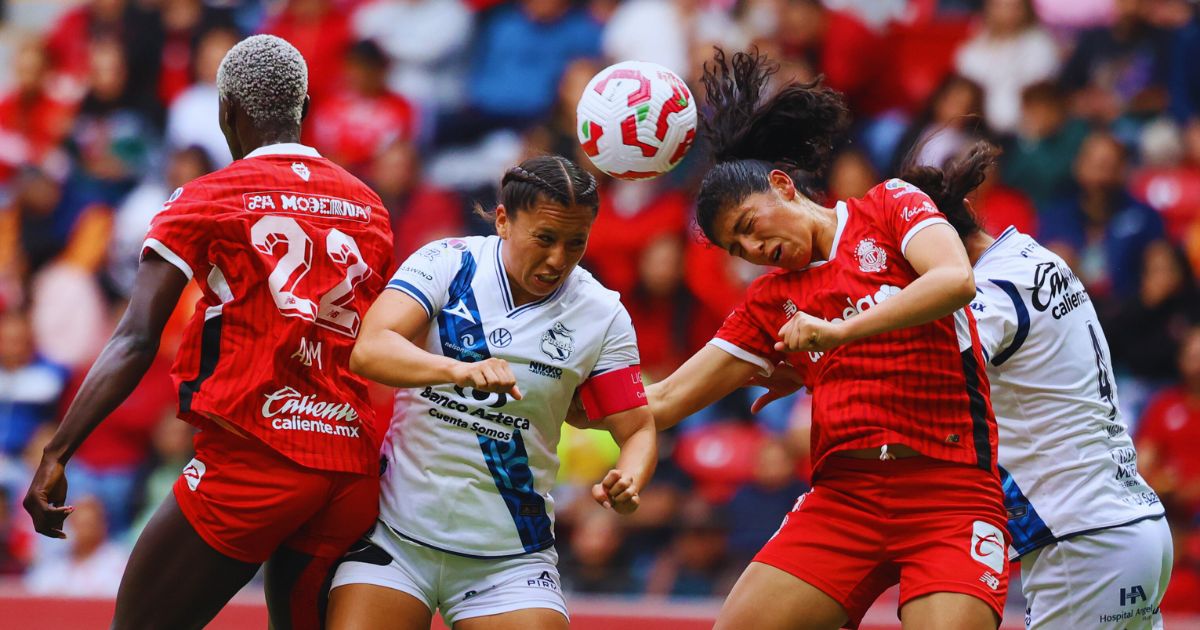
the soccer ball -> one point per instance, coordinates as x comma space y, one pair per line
636, 120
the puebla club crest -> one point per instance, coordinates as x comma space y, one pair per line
557, 342
871, 257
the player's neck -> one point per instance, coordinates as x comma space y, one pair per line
977, 243
825, 229
266, 139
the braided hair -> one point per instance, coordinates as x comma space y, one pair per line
552, 178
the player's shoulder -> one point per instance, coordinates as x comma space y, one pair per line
451, 251
582, 286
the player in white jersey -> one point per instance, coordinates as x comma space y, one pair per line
1095, 548
1094, 545
494, 335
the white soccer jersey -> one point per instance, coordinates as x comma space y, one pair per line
1067, 462
470, 472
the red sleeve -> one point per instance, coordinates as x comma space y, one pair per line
905, 210
749, 332
177, 232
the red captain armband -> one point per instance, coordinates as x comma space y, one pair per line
613, 392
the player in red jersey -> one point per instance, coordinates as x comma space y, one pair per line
288, 249
869, 305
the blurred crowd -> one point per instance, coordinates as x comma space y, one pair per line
108, 105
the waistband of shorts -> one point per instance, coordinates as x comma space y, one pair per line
923, 463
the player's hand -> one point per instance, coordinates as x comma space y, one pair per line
490, 375
45, 498
784, 381
617, 492
805, 333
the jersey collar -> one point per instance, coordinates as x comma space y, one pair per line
843, 213
1007, 233
284, 148
506, 291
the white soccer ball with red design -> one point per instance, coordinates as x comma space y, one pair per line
636, 120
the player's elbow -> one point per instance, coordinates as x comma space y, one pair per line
360, 358
960, 286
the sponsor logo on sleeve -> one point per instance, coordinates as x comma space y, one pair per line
174, 196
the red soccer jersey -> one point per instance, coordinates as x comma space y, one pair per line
924, 386
289, 250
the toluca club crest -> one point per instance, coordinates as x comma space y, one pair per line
557, 342
871, 257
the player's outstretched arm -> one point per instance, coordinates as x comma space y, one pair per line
384, 352
946, 284
119, 368
710, 375
634, 432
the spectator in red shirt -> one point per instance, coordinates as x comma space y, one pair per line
33, 119
671, 324
321, 32
1000, 206
419, 212
109, 464
632, 214
1168, 434
351, 126
67, 42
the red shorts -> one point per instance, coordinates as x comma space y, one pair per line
246, 500
931, 526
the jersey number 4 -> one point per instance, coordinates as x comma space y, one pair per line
333, 310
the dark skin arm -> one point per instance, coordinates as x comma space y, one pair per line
118, 370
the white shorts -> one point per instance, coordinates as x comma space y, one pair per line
461, 587
1110, 579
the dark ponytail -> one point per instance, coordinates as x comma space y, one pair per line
553, 178
795, 130
948, 187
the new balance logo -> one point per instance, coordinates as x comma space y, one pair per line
992, 581
308, 353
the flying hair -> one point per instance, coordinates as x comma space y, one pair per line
797, 127
949, 186
268, 77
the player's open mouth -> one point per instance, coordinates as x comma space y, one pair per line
547, 279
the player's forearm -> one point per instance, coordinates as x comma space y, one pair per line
939, 292
387, 357
639, 448
708, 376
118, 370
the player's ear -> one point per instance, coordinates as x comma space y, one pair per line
304, 107
782, 182
502, 221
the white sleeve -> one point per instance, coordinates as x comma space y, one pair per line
620, 345
426, 275
1001, 318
